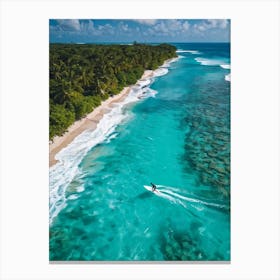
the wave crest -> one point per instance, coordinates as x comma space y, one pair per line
188, 51
212, 62
225, 66
227, 77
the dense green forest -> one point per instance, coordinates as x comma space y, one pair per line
81, 76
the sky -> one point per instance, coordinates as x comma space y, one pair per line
140, 30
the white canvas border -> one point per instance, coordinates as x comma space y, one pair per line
255, 138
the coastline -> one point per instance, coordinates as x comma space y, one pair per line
90, 121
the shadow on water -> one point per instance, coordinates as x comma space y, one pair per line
144, 195
141, 196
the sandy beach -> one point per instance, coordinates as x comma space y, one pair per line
88, 122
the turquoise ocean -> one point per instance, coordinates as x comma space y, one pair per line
173, 130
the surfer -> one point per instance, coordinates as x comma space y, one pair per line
153, 187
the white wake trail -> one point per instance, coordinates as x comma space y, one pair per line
171, 193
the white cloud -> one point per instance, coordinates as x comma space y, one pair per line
170, 27
83, 27
186, 26
100, 30
174, 25
211, 24
160, 28
223, 23
125, 27
200, 27
217, 23
87, 26
69, 24
146, 21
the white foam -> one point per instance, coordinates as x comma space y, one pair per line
169, 197
227, 77
209, 62
225, 66
188, 51
69, 158
146, 93
144, 82
212, 62
72, 197
193, 200
80, 189
167, 64
111, 137
160, 72
150, 92
168, 190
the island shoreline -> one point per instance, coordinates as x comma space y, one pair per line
90, 121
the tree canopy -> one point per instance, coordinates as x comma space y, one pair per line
81, 76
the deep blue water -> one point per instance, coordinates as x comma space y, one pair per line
178, 138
